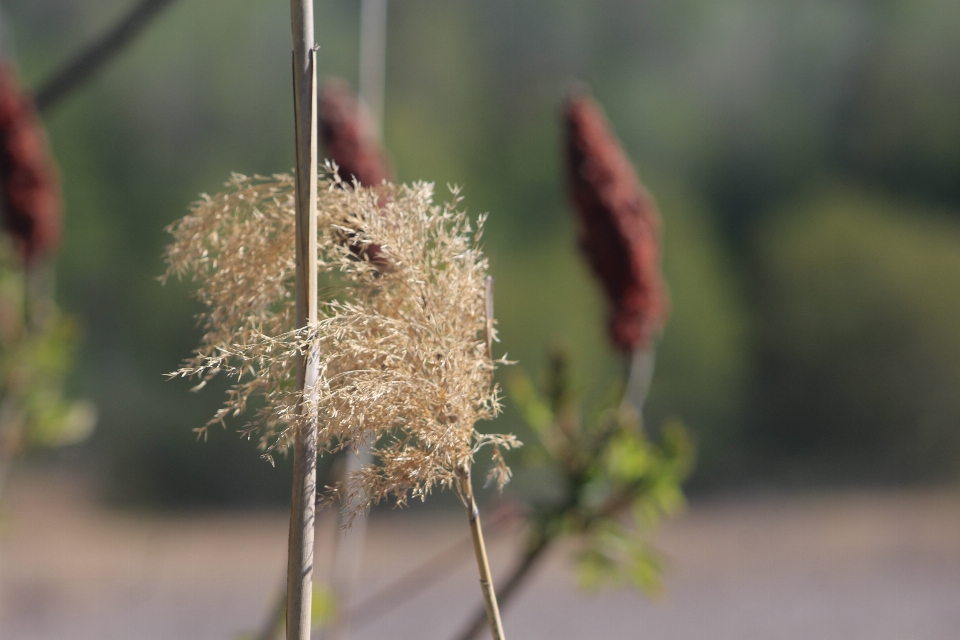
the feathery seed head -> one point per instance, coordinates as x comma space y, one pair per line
619, 225
402, 353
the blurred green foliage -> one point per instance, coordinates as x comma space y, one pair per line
860, 337
704, 364
732, 109
612, 481
37, 350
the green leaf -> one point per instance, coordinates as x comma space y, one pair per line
644, 571
629, 458
323, 606
678, 446
594, 568
535, 411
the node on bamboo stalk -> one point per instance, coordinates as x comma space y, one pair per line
402, 353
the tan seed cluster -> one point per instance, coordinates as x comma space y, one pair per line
401, 352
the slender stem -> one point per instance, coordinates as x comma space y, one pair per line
349, 541
303, 500
411, 584
403, 588
97, 54
483, 566
635, 394
348, 545
408, 585
373, 39
523, 568
639, 378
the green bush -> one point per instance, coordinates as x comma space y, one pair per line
703, 360
548, 294
859, 305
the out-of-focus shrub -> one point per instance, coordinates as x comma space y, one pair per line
860, 338
703, 359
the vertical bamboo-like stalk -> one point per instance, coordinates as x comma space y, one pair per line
303, 500
473, 513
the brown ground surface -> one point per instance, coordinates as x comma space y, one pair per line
848, 566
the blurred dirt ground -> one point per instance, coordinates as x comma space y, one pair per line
870, 565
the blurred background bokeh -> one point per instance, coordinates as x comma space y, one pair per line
805, 155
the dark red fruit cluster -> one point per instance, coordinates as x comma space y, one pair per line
29, 185
348, 139
619, 225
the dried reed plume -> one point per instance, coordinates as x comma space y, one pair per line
348, 138
29, 186
401, 353
619, 226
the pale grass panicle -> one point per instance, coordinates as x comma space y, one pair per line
400, 342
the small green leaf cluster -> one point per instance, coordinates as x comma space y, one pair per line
37, 345
617, 482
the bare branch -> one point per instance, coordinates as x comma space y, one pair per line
97, 54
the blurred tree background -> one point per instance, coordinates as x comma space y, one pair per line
805, 156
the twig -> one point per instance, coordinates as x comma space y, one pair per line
98, 53
517, 576
349, 540
423, 576
639, 378
303, 501
406, 586
480, 549
473, 514
635, 394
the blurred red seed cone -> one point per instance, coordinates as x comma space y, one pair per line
29, 185
619, 225
348, 137
348, 140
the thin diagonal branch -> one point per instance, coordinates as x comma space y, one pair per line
98, 53
427, 574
